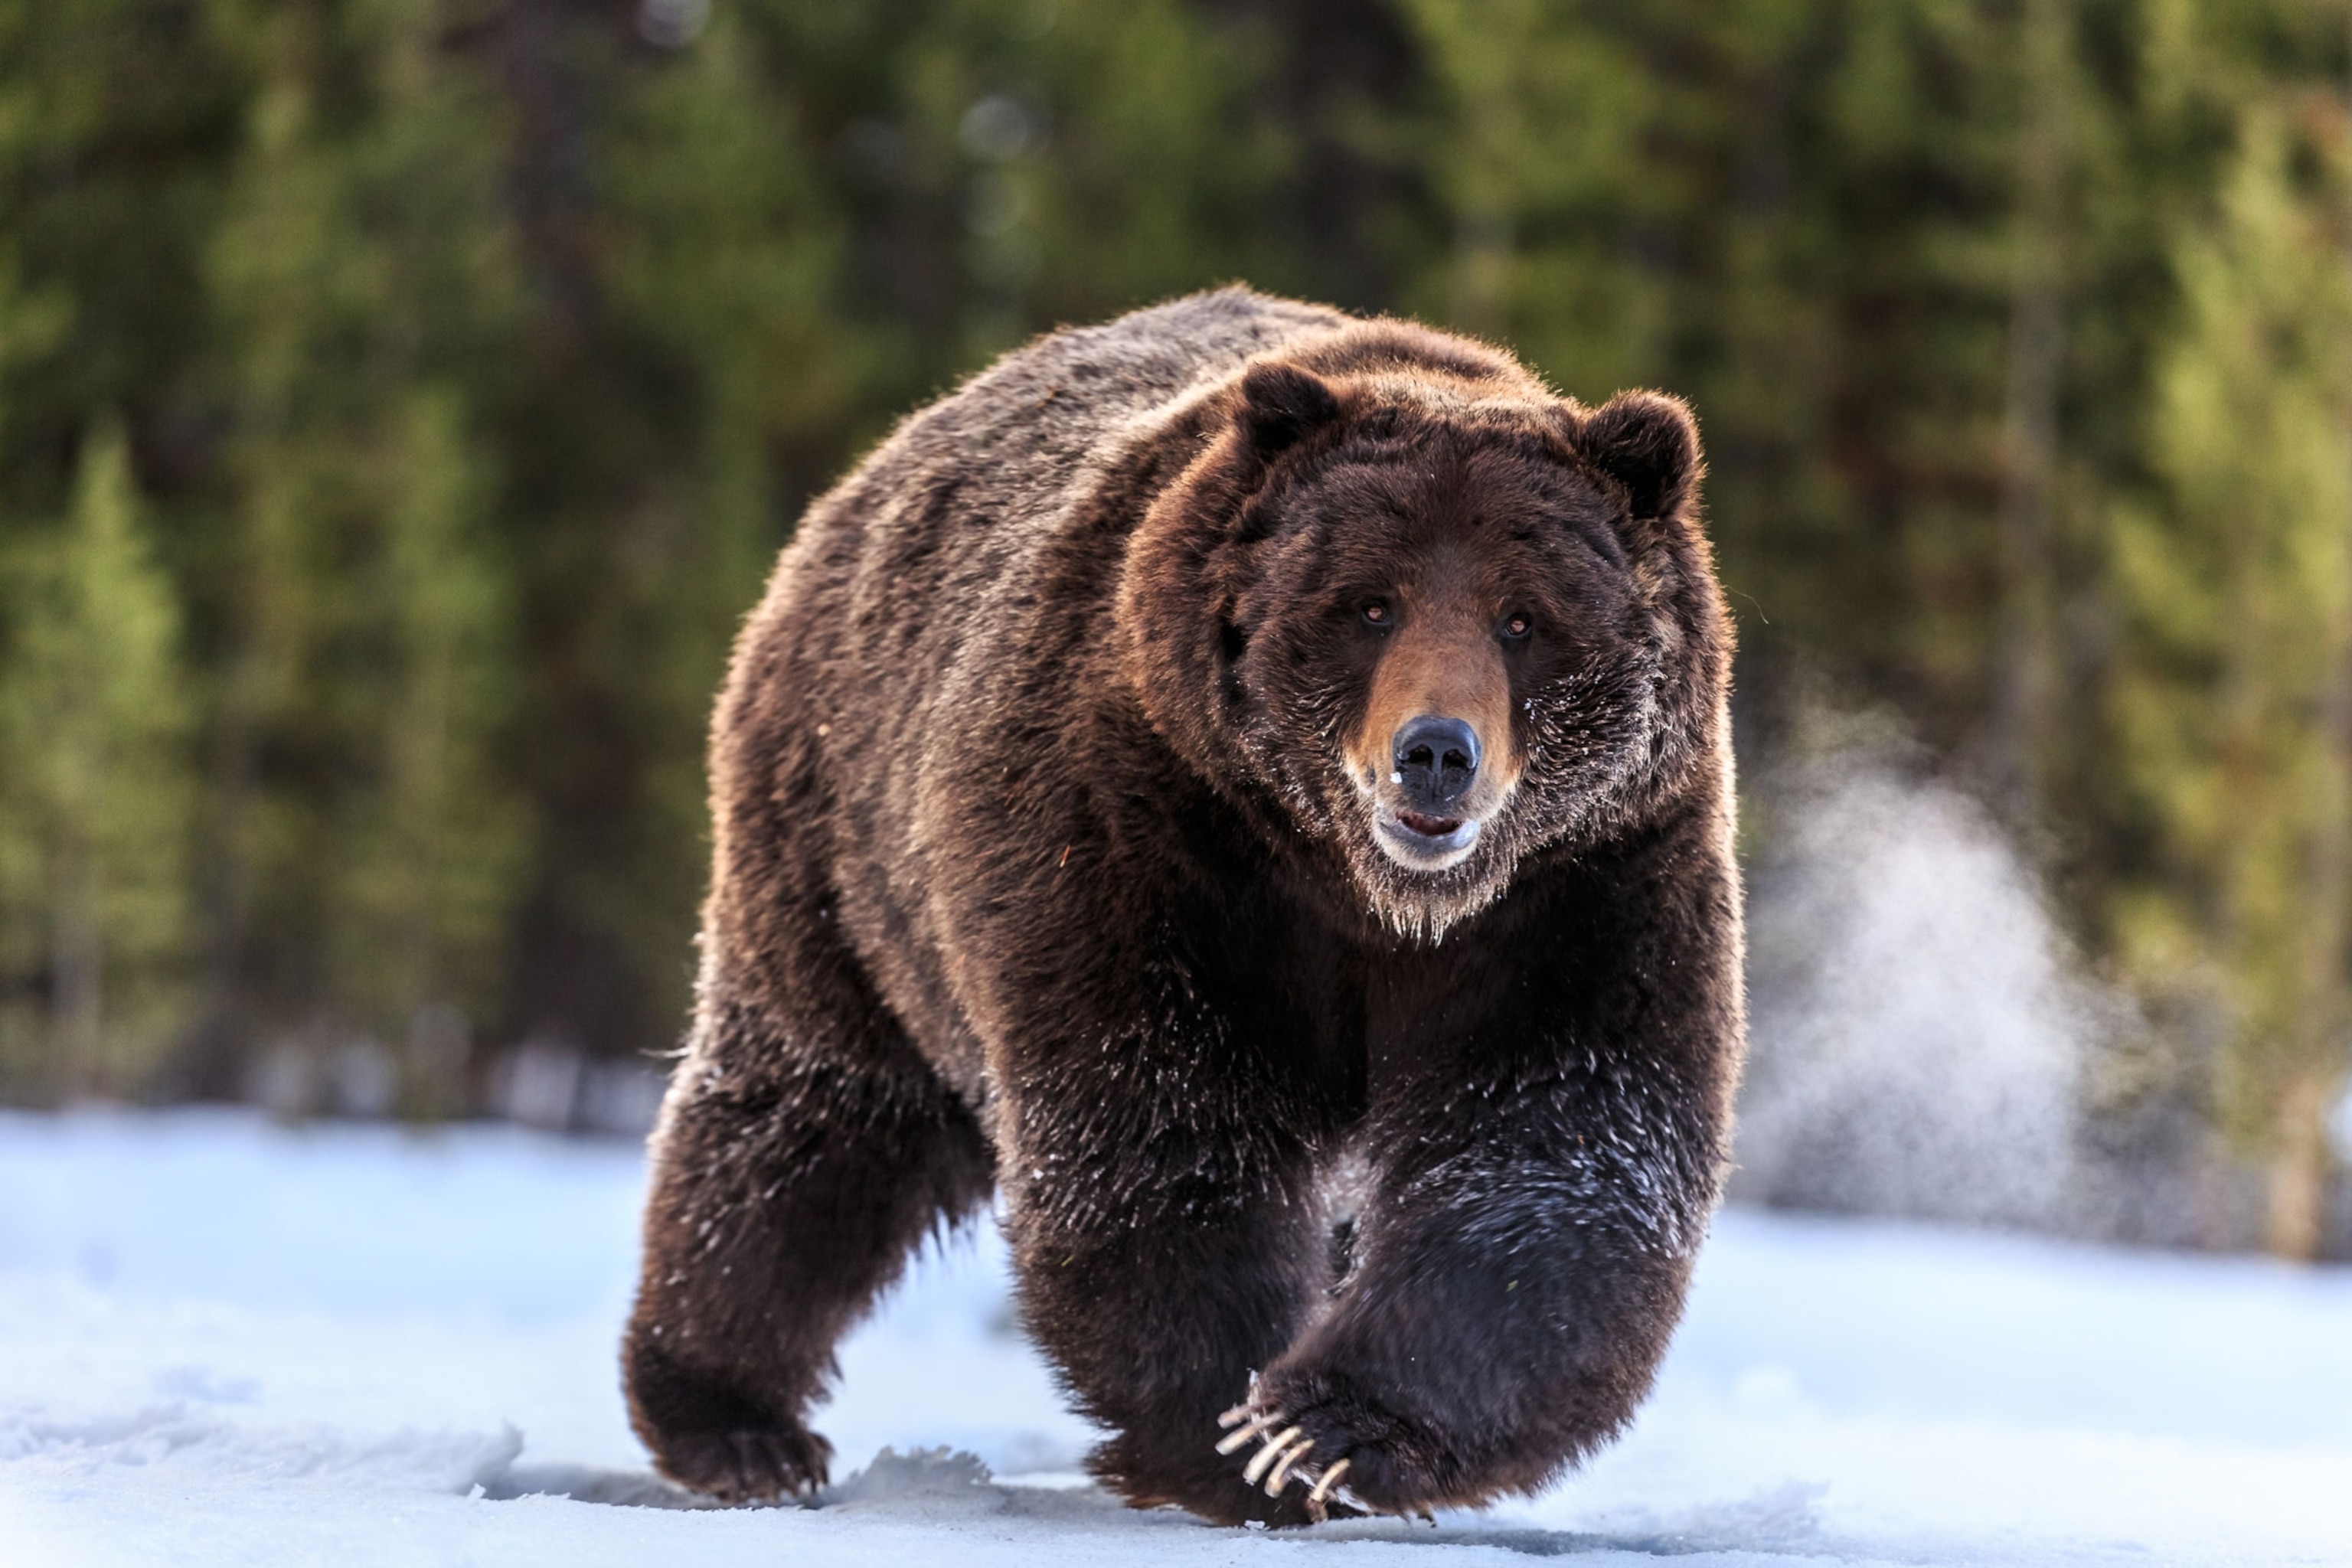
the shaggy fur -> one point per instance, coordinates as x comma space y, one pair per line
1051, 785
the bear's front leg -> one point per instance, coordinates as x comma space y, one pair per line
1158, 1196
1518, 1273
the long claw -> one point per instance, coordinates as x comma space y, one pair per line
1323, 1485
1281, 1471
1237, 1414
1234, 1439
1267, 1456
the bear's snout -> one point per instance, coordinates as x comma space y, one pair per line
1434, 755
1430, 817
1435, 762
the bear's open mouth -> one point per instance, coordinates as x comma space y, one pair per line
1421, 842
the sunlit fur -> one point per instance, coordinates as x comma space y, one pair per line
1042, 798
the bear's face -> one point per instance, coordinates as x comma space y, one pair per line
1451, 631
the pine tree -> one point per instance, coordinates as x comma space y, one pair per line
720, 303
1560, 193
2235, 712
95, 806
370, 836
432, 849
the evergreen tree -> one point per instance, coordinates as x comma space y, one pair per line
95, 805
2235, 711
369, 840
473, 360
714, 311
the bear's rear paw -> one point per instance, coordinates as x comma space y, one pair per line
744, 1465
708, 1433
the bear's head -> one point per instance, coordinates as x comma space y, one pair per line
1429, 615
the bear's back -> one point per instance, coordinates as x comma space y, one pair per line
954, 516
1008, 449
950, 582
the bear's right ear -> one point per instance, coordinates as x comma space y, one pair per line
1281, 403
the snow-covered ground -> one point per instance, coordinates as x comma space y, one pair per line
226, 1343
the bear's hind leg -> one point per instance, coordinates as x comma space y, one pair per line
795, 1167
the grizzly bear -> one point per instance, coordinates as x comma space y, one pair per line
1250, 788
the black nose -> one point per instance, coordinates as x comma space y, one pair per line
1436, 761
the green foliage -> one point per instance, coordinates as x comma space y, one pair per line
362, 274
472, 358
2234, 709
95, 806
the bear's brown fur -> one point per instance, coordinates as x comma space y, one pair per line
1250, 787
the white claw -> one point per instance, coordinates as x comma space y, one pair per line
1323, 1487
1281, 1471
1267, 1456
1233, 1440
1238, 1413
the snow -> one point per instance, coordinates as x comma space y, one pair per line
225, 1341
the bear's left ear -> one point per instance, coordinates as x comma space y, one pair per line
1281, 403
1647, 442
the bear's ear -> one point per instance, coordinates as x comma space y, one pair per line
1647, 442
1281, 403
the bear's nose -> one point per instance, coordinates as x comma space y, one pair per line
1436, 761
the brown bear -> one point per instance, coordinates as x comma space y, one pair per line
1249, 787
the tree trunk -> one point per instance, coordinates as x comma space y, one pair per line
2024, 658
2296, 1218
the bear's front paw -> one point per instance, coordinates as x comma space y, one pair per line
1284, 1454
1310, 1430
743, 1466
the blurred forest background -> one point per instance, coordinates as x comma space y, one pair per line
402, 400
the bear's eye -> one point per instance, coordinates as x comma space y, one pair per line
1376, 612
1517, 624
